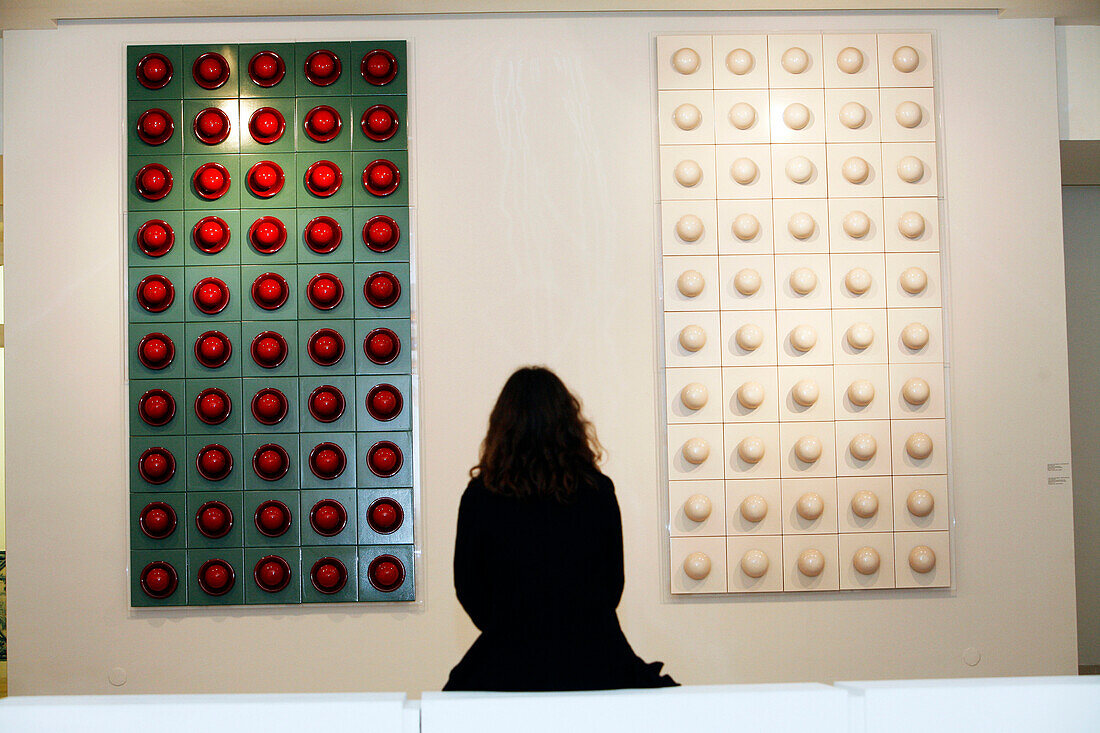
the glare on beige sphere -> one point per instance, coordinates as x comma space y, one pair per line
690, 283
688, 173
747, 281
910, 169
864, 504
908, 114
754, 508
915, 391
803, 280
866, 561
796, 116
801, 225
745, 227
742, 115
915, 336
803, 338
861, 392
751, 449
795, 60
853, 115
697, 565
687, 116
808, 449
693, 337
911, 225
744, 171
913, 280
694, 395
920, 503
686, 61
697, 507
805, 392
799, 169
922, 559
849, 60
811, 562
919, 446
751, 395
810, 505
696, 450
749, 337
860, 336
906, 59
857, 281
689, 228
863, 446
739, 61
754, 563
855, 170
857, 224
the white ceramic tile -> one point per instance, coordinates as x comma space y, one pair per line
933, 406
676, 355
696, 219
936, 519
680, 525
892, 184
844, 375
789, 215
849, 465
880, 486
729, 158
731, 108
905, 464
788, 266
678, 467
677, 270
814, 187
756, 77
889, 75
846, 320
766, 467
892, 130
837, 101
931, 318
926, 236
794, 467
674, 155
808, 118
794, 489
939, 543
794, 546
841, 267
765, 377
680, 548
734, 269
732, 354
811, 77
866, 75
771, 580
678, 378
756, 216
883, 545
767, 489
676, 108
856, 213
840, 155
667, 75
819, 411
822, 324
896, 294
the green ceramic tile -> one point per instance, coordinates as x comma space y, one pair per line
192, 144
285, 255
175, 388
228, 274
342, 140
346, 364
173, 145
399, 110
402, 534
401, 308
194, 370
252, 445
350, 179
344, 251
254, 594
233, 425
341, 86
400, 217
309, 499
191, 90
289, 387
234, 557
367, 478
402, 328
398, 85
346, 442
286, 197
251, 331
360, 161
253, 312
140, 559
403, 419
284, 143
173, 201
231, 199
344, 273
253, 500
234, 444
173, 313
283, 88
174, 332
175, 445
347, 556
172, 90
177, 505
345, 423
405, 592
231, 255
174, 221
189, 520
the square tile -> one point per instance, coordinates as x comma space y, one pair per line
400, 555
681, 327
852, 329
801, 226
192, 57
865, 382
894, 66
908, 115
714, 550
331, 124
804, 65
797, 115
198, 502
252, 332
398, 160
852, 116
750, 394
741, 116
746, 282
342, 388
336, 84
397, 384
255, 558
228, 389
393, 107
807, 272
686, 117
687, 172
255, 445
255, 505
745, 227
172, 89
169, 334
140, 560
740, 61
810, 328
680, 437
921, 503
189, 127
742, 172
914, 280
805, 393
253, 196
911, 224
713, 497
343, 236
690, 283
882, 546
196, 444
195, 335
689, 228
313, 163
312, 505
399, 331
394, 219
342, 444
809, 506
754, 507
227, 276
341, 284
917, 162
858, 280
906, 434
817, 436
748, 338
850, 60
854, 435
142, 277
743, 439
798, 171
854, 170
175, 405
167, 224
173, 480
770, 580
878, 499
343, 333
793, 548
137, 166
360, 50
222, 199
196, 223
173, 505
400, 532
919, 325
171, 113
253, 279
345, 558
939, 576
288, 386
687, 382
684, 62
921, 383
856, 226
275, 86
402, 442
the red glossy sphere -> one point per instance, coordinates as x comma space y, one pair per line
380, 232
323, 290
381, 345
266, 123
323, 177
381, 288
267, 233
155, 408
325, 403
325, 347
269, 405
210, 69
153, 180
384, 459
210, 295
154, 124
270, 462
326, 518
155, 351
272, 574
378, 66
383, 402
322, 121
212, 348
212, 406
386, 573
211, 179
272, 518
381, 177
213, 463
211, 124
211, 232
383, 516
265, 177
157, 580
213, 519
327, 576
216, 577
154, 292
269, 349
379, 121
155, 465
154, 70
156, 521
270, 290
265, 67
154, 236
321, 66
321, 233
327, 461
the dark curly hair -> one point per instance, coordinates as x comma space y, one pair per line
538, 443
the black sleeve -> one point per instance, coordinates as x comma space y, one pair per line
613, 547
471, 581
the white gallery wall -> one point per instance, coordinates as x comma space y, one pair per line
535, 159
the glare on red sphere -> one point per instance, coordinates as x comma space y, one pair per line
265, 66
380, 232
156, 521
153, 180
381, 288
270, 462
265, 177
269, 349
379, 121
323, 177
154, 292
383, 402
270, 290
155, 408
155, 350
321, 66
325, 403
211, 232
267, 233
327, 461
154, 70
155, 236
323, 290
211, 124
322, 121
381, 177
157, 580
266, 123
154, 124
211, 179
384, 459
272, 518
212, 406
320, 233
327, 518
378, 65
383, 515
210, 69
216, 576
213, 519
269, 406
213, 462
386, 573
325, 347
212, 348
381, 345
210, 295
327, 576
272, 574
155, 465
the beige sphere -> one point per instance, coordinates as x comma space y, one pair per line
697, 565
811, 562
801, 225
860, 335
746, 227
808, 448
754, 563
866, 561
689, 228
920, 503
686, 61
693, 338
864, 504
910, 169
861, 392
754, 508
694, 395
749, 337
863, 446
915, 391
803, 338
908, 114
919, 446
913, 280
742, 115
803, 280
857, 281
856, 224
697, 507
696, 450
810, 506
922, 559
849, 60
744, 171
688, 173
906, 59
805, 392
796, 116
690, 283
853, 115
915, 336
687, 116
747, 281
751, 449
855, 170
750, 395
799, 169
795, 60
911, 225
739, 61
